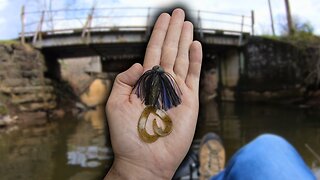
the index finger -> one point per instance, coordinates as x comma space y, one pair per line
153, 51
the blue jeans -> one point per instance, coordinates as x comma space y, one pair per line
266, 157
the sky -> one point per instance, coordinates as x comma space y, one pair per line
305, 11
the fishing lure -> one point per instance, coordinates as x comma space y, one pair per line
159, 91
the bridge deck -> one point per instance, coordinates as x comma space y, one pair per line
113, 44
110, 32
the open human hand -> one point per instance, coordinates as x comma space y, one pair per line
171, 46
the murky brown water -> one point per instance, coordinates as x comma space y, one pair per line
238, 124
78, 148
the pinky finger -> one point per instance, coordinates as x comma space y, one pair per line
193, 75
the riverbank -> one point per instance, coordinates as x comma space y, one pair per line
284, 70
264, 70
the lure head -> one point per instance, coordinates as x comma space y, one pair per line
158, 89
155, 89
158, 69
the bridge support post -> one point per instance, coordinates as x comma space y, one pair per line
230, 74
53, 68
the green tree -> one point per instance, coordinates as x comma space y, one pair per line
299, 26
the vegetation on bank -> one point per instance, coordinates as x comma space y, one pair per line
3, 108
9, 42
303, 34
298, 39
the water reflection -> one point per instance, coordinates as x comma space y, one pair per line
240, 123
68, 148
89, 156
89, 145
24, 153
96, 117
90, 149
209, 119
79, 148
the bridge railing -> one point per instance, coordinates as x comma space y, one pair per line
37, 23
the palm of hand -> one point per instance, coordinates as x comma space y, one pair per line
181, 57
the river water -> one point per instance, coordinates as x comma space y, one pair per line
78, 148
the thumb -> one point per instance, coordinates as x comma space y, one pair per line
125, 81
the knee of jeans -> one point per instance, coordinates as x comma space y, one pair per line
271, 140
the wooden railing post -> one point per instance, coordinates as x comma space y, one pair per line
199, 24
23, 40
241, 31
87, 26
39, 29
148, 27
203, 23
252, 22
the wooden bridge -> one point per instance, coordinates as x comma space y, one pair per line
121, 33
119, 37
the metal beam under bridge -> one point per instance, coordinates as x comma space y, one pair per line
119, 44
